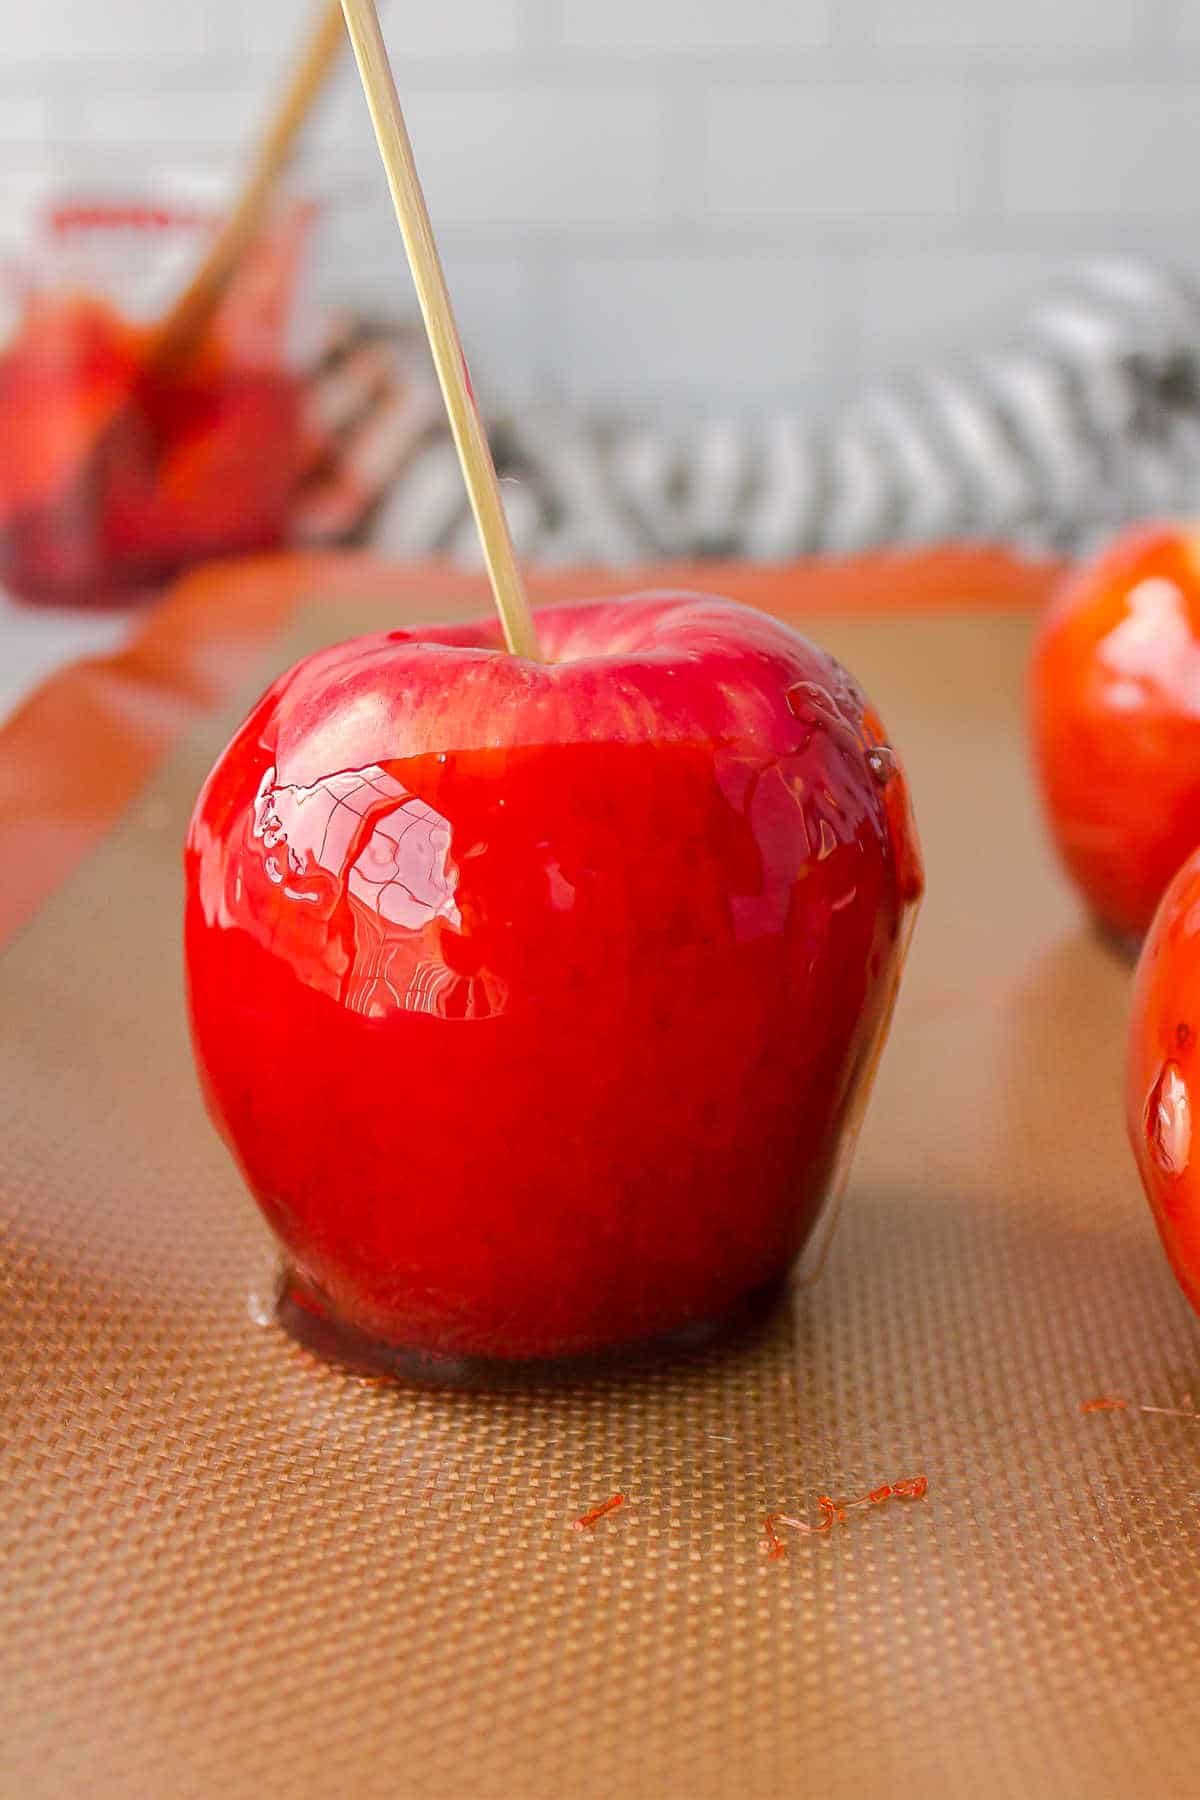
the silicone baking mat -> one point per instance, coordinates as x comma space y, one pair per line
231, 1570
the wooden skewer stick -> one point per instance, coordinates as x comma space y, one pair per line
470, 439
181, 330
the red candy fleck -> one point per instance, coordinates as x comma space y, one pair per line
772, 1543
588, 1519
1118, 1403
833, 1512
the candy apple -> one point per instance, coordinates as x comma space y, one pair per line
1115, 712
1163, 1074
536, 999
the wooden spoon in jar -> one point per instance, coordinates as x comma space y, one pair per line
180, 332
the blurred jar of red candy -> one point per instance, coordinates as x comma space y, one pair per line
116, 474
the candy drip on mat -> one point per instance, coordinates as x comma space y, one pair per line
833, 1512
595, 1513
1118, 1403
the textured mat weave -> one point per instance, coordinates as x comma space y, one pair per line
229, 1570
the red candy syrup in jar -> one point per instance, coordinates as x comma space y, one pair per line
115, 474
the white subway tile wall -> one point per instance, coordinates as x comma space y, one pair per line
672, 330
850, 153
941, 302
26, 121
1074, 27
1114, 147
104, 32
515, 156
678, 206
680, 27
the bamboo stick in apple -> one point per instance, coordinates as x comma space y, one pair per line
470, 439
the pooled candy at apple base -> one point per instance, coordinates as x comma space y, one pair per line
537, 999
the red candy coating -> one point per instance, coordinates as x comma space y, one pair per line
533, 998
1163, 1074
1115, 712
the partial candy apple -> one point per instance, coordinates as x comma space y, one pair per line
1115, 712
536, 999
1163, 1074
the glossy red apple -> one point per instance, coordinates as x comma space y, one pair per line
534, 998
1115, 712
1163, 1074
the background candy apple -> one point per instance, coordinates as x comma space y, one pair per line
1115, 710
1163, 1073
534, 997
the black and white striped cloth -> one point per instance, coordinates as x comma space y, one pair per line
1088, 417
